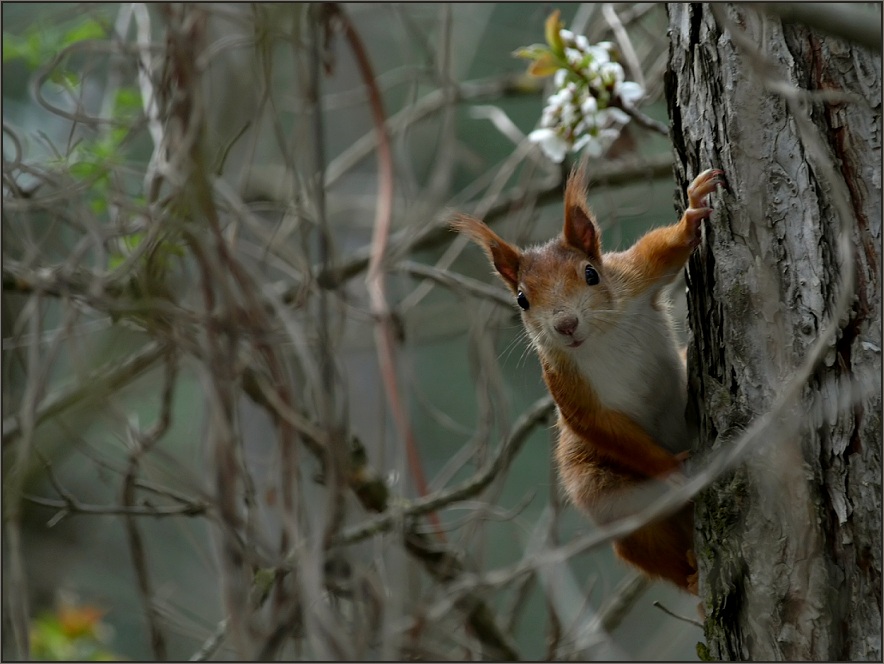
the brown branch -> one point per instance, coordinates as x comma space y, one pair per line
492, 89
385, 335
69, 505
458, 282
690, 621
446, 567
470, 487
615, 609
549, 189
99, 383
143, 444
859, 24
641, 119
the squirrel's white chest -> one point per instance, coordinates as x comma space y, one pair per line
640, 374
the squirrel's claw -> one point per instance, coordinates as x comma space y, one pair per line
703, 185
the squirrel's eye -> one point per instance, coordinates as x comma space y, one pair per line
592, 277
523, 301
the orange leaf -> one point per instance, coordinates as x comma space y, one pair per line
544, 66
553, 38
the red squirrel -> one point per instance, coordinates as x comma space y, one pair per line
601, 325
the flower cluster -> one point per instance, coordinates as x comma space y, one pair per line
584, 112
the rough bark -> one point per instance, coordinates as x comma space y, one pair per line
789, 541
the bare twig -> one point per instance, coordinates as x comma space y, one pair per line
458, 282
211, 644
857, 23
143, 444
624, 597
103, 381
624, 42
375, 278
690, 621
641, 119
493, 469
550, 188
70, 505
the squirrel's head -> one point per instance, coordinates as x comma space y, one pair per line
560, 286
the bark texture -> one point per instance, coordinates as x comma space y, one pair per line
788, 543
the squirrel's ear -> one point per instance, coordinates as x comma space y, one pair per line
502, 255
581, 230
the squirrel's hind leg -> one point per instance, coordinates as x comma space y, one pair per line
663, 549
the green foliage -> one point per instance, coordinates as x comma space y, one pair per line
71, 633
41, 42
92, 162
703, 652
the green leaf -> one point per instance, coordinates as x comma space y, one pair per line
552, 30
132, 241
115, 260
533, 52
35, 45
127, 99
98, 204
86, 170
89, 29
65, 78
13, 48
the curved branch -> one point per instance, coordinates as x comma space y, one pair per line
375, 278
498, 464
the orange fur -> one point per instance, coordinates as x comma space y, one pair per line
610, 361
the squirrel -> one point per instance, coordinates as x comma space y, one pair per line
601, 326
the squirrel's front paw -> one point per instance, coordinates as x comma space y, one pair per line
703, 185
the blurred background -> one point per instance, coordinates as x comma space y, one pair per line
114, 520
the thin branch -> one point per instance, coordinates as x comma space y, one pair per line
375, 278
103, 381
143, 444
624, 42
548, 189
623, 599
533, 416
211, 644
69, 505
487, 89
690, 621
457, 282
859, 23
641, 119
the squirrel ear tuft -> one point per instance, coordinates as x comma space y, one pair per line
581, 230
502, 255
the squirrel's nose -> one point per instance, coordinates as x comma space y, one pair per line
565, 324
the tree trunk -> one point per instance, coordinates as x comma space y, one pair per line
788, 540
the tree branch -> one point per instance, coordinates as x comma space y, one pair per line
855, 22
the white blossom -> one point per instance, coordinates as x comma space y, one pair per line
589, 105
611, 72
573, 56
600, 55
569, 114
630, 91
559, 77
616, 116
577, 116
582, 142
594, 147
554, 146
